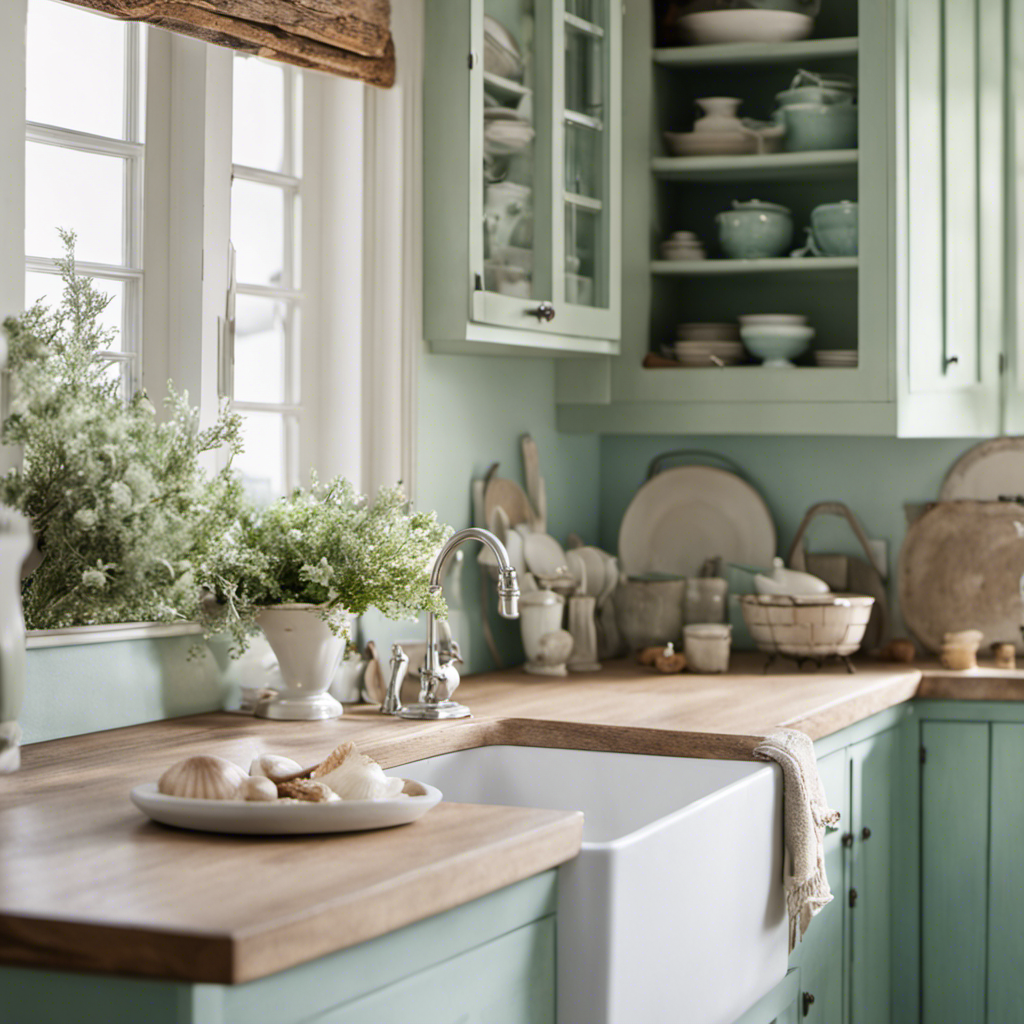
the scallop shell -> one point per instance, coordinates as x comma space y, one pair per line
203, 777
275, 767
257, 788
354, 776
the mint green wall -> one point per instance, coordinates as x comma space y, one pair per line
874, 476
472, 412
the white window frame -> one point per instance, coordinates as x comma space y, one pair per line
367, 241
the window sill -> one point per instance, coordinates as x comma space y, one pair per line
112, 633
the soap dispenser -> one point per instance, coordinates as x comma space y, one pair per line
15, 544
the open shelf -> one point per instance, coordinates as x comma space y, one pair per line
756, 53
780, 265
818, 164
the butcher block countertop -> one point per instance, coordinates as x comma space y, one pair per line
88, 883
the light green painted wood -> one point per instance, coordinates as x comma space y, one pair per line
815, 166
1013, 422
508, 981
1006, 877
747, 54
875, 766
822, 954
314, 990
780, 1005
906, 874
954, 871
784, 265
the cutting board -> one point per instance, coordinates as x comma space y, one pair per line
960, 568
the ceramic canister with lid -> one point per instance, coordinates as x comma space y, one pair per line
755, 230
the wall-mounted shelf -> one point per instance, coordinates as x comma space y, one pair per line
781, 265
756, 53
819, 165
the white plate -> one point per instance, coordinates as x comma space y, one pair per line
691, 513
544, 555
597, 564
986, 471
746, 26
242, 817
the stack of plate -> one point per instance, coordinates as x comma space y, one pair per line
683, 245
708, 344
836, 358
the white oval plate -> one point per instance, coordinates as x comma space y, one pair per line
242, 817
687, 514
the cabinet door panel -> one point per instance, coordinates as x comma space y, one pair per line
821, 955
508, 981
1006, 877
954, 871
873, 763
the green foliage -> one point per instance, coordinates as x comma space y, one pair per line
121, 509
326, 546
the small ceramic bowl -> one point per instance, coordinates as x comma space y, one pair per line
776, 345
814, 126
755, 230
773, 319
835, 228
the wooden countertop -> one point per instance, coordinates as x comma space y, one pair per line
87, 883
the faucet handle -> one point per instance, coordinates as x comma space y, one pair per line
392, 702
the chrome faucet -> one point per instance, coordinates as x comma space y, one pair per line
439, 677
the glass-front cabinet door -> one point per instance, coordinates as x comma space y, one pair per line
542, 156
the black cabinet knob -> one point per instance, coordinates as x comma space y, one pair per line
865, 833
808, 1003
848, 836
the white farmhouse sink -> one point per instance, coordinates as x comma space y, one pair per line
674, 909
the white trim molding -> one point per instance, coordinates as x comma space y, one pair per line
108, 634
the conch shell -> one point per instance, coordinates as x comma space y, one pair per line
354, 776
275, 767
203, 777
257, 789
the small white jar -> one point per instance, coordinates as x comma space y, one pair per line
707, 647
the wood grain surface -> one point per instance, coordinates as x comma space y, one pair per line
88, 883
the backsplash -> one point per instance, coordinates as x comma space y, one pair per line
874, 476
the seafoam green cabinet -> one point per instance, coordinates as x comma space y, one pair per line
923, 303
522, 176
972, 874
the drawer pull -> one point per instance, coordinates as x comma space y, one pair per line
545, 311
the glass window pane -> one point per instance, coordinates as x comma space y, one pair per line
262, 463
83, 192
258, 126
585, 259
583, 72
261, 327
76, 69
257, 232
50, 288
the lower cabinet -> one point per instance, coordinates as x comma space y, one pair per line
972, 872
845, 958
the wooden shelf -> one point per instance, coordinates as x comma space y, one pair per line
818, 164
781, 265
756, 53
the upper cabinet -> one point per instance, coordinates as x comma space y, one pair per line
908, 321
522, 176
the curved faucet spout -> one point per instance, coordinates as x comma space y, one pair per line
439, 677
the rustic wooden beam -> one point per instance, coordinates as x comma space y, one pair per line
360, 26
357, 21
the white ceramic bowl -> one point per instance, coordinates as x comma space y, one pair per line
774, 319
817, 626
710, 143
745, 25
776, 345
707, 332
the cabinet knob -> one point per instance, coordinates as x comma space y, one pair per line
865, 833
847, 839
808, 1002
853, 897
950, 361
545, 311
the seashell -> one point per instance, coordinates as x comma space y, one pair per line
203, 777
354, 776
257, 788
275, 767
669, 660
307, 791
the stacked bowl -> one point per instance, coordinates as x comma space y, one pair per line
683, 245
708, 344
776, 338
836, 358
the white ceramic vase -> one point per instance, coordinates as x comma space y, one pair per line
718, 114
308, 654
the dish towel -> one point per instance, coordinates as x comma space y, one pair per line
807, 815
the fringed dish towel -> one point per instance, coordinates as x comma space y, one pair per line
807, 815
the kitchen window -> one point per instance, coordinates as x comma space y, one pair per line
84, 163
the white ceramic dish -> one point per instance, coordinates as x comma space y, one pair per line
241, 817
688, 514
544, 555
780, 319
707, 332
710, 143
695, 253
745, 26
986, 471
